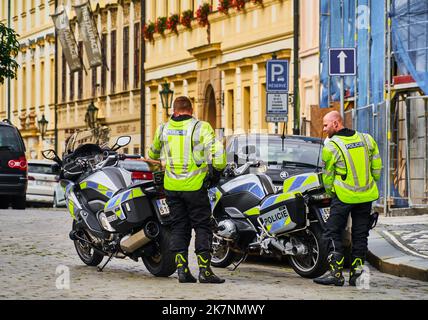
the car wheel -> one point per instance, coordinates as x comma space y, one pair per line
4, 203
19, 203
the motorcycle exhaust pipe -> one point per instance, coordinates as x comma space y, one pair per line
133, 242
299, 249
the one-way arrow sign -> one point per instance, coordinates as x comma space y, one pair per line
342, 62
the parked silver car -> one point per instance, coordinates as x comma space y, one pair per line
59, 197
42, 179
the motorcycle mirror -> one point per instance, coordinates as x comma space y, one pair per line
121, 142
49, 154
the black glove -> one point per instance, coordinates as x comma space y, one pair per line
216, 177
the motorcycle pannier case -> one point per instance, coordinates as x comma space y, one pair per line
283, 213
128, 209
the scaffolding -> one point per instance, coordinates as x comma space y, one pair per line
392, 46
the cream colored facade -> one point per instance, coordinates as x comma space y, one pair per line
118, 100
223, 75
32, 92
309, 80
223, 69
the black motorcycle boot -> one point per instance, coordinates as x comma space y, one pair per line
184, 275
356, 270
334, 276
206, 275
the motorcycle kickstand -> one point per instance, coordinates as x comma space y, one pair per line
100, 269
244, 257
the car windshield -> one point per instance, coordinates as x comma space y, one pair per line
276, 151
41, 168
94, 136
9, 139
134, 165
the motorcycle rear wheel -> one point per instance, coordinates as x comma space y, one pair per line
313, 264
222, 256
161, 263
87, 254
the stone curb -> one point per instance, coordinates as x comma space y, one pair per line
388, 259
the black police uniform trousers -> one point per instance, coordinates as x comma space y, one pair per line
336, 224
190, 209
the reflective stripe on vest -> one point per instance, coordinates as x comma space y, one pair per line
187, 152
184, 176
350, 161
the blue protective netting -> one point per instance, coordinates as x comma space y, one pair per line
410, 39
360, 24
335, 31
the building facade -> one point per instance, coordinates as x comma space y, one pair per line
32, 92
113, 88
221, 67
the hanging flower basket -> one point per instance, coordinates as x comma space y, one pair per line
224, 6
187, 18
202, 14
148, 31
172, 23
238, 4
161, 25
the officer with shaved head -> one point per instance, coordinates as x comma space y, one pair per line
351, 167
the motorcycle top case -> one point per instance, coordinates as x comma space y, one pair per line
283, 213
128, 209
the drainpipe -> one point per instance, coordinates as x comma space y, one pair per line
142, 79
56, 88
296, 100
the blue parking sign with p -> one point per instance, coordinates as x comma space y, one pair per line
277, 75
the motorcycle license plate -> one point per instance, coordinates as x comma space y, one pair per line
163, 207
325, 213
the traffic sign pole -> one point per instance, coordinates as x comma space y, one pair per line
342, 97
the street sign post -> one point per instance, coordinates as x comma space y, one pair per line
342, 63
277, 107
277, 72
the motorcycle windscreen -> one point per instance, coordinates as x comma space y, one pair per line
283, 213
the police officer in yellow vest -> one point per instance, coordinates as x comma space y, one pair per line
352, 165
190, 150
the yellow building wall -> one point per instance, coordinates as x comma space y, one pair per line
229, 56
32, 92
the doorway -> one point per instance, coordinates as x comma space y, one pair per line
210, 107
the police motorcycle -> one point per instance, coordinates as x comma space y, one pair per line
251, 218
111, 216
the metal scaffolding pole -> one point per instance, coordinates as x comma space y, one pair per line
387, 110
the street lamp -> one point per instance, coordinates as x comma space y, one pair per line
166, 95
91, 116
43, 126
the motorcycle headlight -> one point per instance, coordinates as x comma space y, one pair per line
105, 223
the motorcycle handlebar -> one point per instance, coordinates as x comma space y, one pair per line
129, 156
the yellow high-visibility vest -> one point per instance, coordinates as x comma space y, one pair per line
187, 147
352, 165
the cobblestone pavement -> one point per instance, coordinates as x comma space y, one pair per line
410, 231
34, 245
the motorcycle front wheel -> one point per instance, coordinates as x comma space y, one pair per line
222, 255
86, 253
161, 262
314, 263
